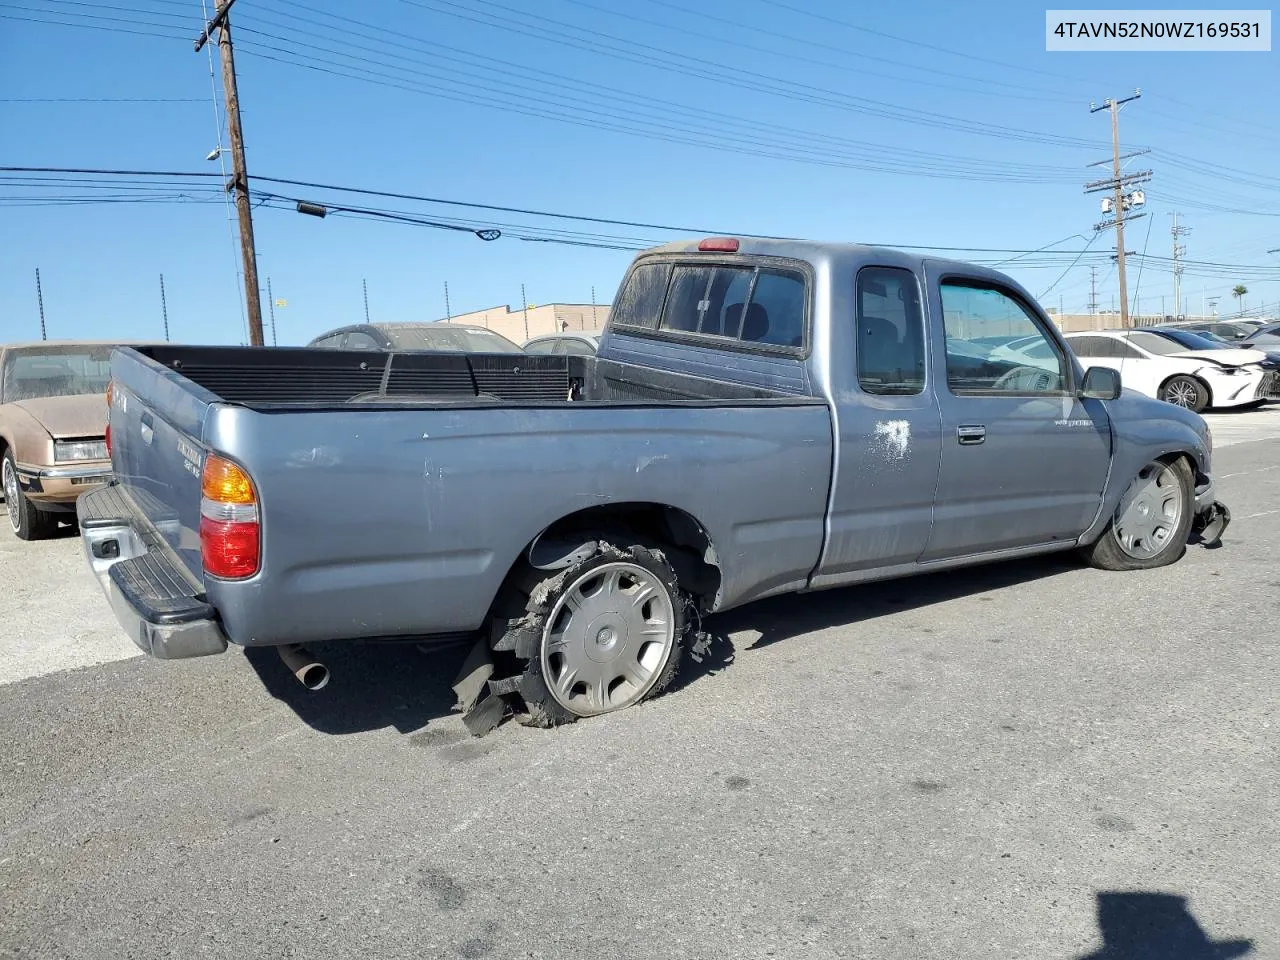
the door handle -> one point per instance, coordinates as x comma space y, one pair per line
148, 428
971, 433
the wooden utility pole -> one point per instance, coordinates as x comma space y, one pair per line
271, 306
1120, 200
240, 175
40, 301
164, 309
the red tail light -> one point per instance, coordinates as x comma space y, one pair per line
718, 245
229, 549
230, 535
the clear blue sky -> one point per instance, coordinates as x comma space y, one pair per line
807, 118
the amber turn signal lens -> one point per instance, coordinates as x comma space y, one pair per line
224, 482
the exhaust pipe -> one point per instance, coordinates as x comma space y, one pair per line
311, 673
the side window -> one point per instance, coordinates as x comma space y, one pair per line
890, 332
331, 343
578, 348
1084, 346
776, 313
1123, 350
540, 346
640, 300
979, 320
361, 341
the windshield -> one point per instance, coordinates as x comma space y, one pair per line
50, 371
1193, 341
444, 337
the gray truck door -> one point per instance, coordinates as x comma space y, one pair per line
888, 427
1023, 460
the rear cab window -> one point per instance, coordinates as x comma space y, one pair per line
740, 305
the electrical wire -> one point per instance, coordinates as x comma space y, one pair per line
730, 74
1049, 289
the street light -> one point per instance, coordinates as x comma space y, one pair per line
215, 153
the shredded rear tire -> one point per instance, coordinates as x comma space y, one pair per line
521, 644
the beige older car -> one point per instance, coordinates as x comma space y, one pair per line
53, 417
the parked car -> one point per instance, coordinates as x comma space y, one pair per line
53, 417
1229, 330
762, 417
1246, 333
437, 336
1158, 367
1195, 340
569, 343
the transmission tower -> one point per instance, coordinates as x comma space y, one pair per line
1179, 251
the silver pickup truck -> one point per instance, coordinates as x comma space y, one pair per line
763, 417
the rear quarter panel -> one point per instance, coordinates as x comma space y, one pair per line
401, 523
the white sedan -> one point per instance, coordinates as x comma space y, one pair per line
1161, 368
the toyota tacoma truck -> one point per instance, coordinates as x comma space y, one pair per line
763, 417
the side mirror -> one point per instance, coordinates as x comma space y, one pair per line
1100, 383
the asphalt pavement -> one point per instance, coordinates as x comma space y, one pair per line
1029, 760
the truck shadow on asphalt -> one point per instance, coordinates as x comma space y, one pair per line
781, 618
378, 685
1156, 926
372, 686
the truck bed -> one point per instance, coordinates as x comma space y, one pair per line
300, 378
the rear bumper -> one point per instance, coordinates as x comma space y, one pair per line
151, 594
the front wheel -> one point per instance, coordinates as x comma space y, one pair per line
1184, 391
1152, 521
25, 518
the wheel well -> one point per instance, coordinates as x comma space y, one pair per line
682, 539
1190, 376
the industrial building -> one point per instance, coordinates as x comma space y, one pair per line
522, 323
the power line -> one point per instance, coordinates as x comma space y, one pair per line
810, 44
101, 100
729, 74
98, 172
1049, 289
918, 43
662, 109
787, 144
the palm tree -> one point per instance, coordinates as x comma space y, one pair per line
1238, 291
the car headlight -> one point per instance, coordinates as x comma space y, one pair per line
64, 450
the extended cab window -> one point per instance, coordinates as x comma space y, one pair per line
890, 329
640, 300
980, 322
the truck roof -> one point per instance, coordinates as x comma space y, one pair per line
815, 251
36, 344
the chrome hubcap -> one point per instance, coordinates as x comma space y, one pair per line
1182, 393
607, 639
1150, 512
11, 494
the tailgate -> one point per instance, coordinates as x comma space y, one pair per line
156, 420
